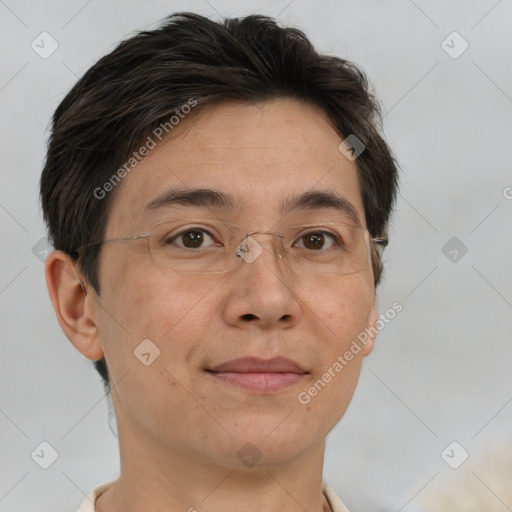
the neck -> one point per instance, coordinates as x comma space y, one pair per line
156, 479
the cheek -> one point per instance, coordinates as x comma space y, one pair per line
340, 313
341, 308
171, 306
147, 302
173, 312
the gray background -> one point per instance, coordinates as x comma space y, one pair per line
440, 371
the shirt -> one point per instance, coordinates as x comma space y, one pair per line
88, 503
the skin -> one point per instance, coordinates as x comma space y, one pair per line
179, 428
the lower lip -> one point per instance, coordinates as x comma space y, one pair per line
260, 382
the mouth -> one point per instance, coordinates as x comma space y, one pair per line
259, 375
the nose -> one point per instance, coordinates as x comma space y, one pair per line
249, 249
262, 287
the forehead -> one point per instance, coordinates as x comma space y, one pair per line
257, 153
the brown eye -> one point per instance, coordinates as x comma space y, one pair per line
191, 238
317, 240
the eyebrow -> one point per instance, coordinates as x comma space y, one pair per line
216, 199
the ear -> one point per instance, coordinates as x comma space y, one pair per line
73, 304
371, 329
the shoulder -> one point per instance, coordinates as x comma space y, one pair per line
335, 502
88, 504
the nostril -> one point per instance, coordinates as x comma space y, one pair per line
249, 316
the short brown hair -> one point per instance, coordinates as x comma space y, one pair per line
128, 93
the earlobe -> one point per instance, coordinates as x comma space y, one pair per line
72, 304
371, 330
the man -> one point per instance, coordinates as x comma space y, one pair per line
217, 194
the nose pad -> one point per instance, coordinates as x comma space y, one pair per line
250, 249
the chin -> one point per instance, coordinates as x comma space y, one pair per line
263, 445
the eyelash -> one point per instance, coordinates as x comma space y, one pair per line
328, 234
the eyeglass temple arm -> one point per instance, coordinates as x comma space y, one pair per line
383, 242
125, 239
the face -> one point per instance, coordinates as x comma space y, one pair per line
260, 155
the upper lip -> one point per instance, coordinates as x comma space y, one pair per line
257, 365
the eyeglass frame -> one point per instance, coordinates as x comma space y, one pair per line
379, 241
